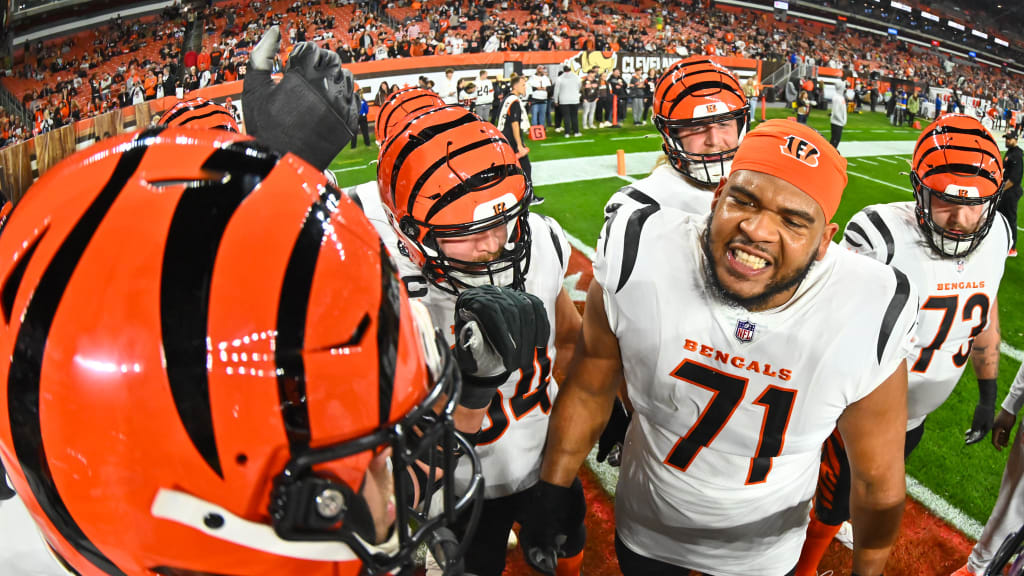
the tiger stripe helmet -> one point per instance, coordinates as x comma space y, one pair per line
199, 113
691, 94
400, 107
208, 346
449, 174
956, 160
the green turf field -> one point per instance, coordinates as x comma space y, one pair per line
966, 476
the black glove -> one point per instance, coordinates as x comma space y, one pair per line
313, 112
984, 412
553, 515
497, 331
610, 445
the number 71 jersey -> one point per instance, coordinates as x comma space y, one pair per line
732, 406
958, 295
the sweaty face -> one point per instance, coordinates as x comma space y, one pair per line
710, 138
956, 218
763, 237
480, 247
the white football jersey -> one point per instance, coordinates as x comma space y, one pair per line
668, 188
956, 295
732, 406
511, 441
24, 552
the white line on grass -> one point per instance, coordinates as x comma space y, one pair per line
890, 184
567, 142
866, 161
886, 160
634, 137
629, 179
608, 476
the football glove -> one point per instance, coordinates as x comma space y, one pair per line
609, 447
983, 412
313, 112
555, 513
497, 331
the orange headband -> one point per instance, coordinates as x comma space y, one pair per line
799, 155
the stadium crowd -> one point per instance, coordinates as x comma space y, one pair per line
130, 61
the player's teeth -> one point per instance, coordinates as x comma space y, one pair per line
750, 260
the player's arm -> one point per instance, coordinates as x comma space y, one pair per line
585, 399
874, 430
1008, 413
567, 330
985, 357
517, 134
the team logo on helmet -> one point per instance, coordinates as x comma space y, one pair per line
801, 150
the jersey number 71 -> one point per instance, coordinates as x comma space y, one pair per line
727, 393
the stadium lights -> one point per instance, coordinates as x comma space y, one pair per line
956, 25
979, 33
781, 5
894, 31
930, 16
901, 6
1001, 42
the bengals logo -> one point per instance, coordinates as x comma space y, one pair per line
712, 108
802, 150
499, 207
962, 192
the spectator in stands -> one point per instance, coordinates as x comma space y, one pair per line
538, 86
650, 83
383, 91
567, 98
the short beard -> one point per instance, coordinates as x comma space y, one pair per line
753, 302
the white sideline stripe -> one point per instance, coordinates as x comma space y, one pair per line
608, 476
635, 137
890, 184
567, 142
937, 505
627, 178
866, 161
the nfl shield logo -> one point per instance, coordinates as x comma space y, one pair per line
960, 265
745, 331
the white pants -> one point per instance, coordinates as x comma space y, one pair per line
588, 113
1008, 513
753, 110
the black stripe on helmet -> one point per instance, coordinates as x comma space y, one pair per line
23, 385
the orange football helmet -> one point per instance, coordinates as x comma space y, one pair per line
956, 159
208, 347
399, 107
693, 93
450, 174
199, 113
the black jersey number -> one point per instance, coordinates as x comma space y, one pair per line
524, 400
948, 305
727, 393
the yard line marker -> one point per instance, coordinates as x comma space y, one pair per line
886, 160
890, 184
634, 137
627, 178
569, 142
866, 161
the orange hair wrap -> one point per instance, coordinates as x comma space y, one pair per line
799, 155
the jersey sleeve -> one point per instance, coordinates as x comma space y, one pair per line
619, 243
556, 235
896, 332
867, 233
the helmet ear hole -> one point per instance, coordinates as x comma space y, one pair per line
409, 228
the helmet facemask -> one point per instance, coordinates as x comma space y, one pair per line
706, 169
945, 241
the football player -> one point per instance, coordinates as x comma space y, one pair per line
702, 113
457, 201
745, 337
951, 243
199, 113
214, 370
